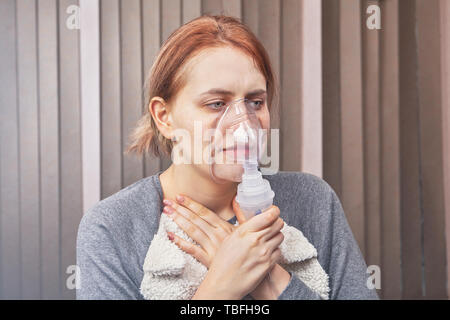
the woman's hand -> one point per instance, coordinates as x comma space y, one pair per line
276, 280
200, 224
237, 258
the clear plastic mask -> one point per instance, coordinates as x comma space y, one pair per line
237, 139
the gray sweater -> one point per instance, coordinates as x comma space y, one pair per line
115, 234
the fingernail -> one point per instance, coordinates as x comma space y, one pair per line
167, 210
180, 199
167, 202
170, 235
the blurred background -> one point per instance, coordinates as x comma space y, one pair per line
364, 106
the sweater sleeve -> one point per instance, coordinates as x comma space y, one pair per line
338, 253
297, 290
347, 268
101, 269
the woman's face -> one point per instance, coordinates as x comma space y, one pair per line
214, 78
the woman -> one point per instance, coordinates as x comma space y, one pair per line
202, 67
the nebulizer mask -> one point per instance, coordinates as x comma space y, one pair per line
238, 145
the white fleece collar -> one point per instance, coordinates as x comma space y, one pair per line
172, 274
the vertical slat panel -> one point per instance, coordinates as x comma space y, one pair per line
171, 17
49, 147
268, 30
191, 9
90, 101
411, 231
312, 87
390, 154
371, 134
151, 28
445, 85
232, 8
351, 116
212, 7
171, 13
250, 14
131, 63
267, 15
29, 147
9, 156
429, 85
70, 147
332, 142
291, 74
111, 134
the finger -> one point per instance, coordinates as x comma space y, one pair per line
191, 229
275, 257
200, 210
190, 248
275, 241
261, 221
214, 233
188, 214
271, 231
238, 212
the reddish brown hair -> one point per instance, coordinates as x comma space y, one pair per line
166, 77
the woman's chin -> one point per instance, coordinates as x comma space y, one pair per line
228, 172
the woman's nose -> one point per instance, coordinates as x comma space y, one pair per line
240, 107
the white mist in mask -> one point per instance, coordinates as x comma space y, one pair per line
237, 139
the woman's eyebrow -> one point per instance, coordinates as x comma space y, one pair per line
229, 93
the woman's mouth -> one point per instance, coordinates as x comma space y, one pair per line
237, 152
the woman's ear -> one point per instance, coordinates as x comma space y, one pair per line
158, 108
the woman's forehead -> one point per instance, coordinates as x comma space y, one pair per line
226, 68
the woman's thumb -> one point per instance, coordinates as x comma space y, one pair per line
238, 212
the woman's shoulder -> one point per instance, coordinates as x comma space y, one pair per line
134, 206
301, 184
302, 197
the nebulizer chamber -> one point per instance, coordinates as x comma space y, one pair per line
254, 194
243, 133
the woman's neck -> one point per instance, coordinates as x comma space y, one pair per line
190, 181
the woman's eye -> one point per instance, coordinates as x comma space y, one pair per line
256, 104
216, 105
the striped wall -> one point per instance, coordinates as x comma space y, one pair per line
383, 137
367, 110
41, 185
